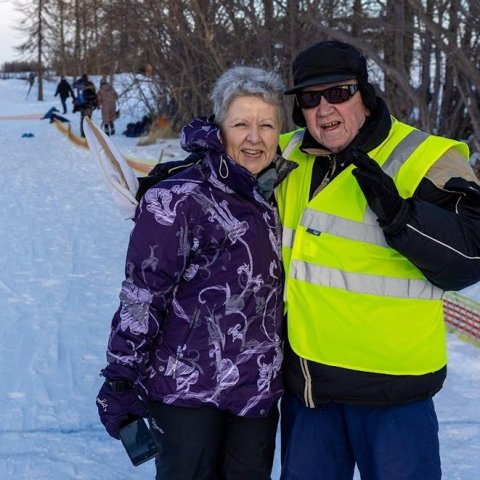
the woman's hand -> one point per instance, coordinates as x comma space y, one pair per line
117, 408
118, 402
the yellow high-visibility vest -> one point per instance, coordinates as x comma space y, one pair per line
352, 301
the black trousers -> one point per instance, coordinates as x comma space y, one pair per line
85, 111
64, 103
209, 444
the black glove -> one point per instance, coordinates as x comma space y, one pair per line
381, 193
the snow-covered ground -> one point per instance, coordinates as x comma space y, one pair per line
62, 244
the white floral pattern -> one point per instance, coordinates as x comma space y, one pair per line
202, 304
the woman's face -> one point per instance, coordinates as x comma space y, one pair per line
250, 132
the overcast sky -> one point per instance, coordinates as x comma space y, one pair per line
8, 36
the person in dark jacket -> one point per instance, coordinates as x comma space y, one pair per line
379, 220
64, 90
199, 331
85, 100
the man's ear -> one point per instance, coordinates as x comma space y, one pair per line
297, 115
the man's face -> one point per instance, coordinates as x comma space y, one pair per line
335, 125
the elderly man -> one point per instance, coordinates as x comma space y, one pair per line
379, 220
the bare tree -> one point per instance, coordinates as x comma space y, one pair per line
34, 26
423, 55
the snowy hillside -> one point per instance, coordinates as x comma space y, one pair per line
63, 245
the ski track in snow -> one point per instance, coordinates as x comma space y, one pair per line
63, 245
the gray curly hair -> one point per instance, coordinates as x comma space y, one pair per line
246, 81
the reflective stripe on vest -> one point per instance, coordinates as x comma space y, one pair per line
288, 236
359, 283
352, 301
341, 227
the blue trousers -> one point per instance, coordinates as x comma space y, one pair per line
386, 443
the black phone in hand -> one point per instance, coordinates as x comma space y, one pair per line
138, 441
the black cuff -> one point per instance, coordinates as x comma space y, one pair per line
400, 220
119, 386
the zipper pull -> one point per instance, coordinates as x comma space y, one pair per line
174, 373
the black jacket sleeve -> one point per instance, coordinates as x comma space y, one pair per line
442, 234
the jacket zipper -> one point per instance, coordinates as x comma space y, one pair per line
328, 176
184, 343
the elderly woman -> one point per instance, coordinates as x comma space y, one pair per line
198, 334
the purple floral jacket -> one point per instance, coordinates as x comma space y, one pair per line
200, 319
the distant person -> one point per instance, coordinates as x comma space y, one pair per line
85, 100
64, 89
107, 101
31, 81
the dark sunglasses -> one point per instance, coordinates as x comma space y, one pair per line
333, 95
